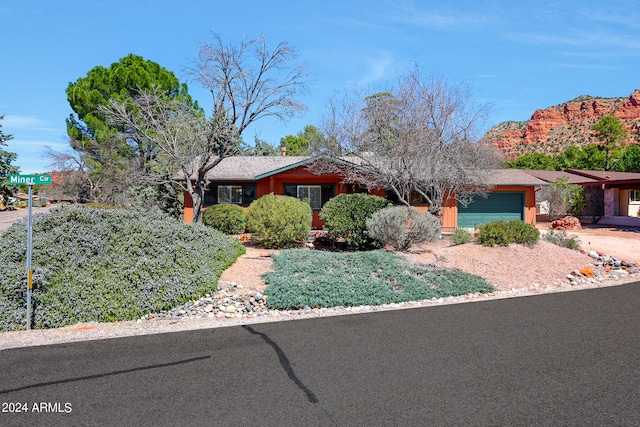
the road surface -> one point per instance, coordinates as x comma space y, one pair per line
558, 359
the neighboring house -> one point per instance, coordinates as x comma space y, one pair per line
242, 179
611, 194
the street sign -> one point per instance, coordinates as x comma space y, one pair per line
42, 179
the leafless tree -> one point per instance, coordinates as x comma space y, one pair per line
251, 81
246, 83
419, 139
106, 181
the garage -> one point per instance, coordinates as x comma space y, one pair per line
497, 206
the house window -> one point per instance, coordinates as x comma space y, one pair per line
634, 195
315, 195
415, 198
230, 194
241, 195
312, 193
355, 188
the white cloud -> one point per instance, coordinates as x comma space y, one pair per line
407, 12
30, 153
26, 122
378, 68
32, 146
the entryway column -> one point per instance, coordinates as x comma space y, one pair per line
611, 205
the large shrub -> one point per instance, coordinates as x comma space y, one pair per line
107, 264
403, 227
345, 218
226, 217
279, 221
503, 233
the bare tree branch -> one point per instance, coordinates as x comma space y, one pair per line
251, 81
247, 83
420, 138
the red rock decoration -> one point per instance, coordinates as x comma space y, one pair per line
566, 223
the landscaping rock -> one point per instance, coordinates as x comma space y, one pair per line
566, 223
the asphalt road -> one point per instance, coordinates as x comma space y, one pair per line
559, 359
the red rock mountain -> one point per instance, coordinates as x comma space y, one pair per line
555, 128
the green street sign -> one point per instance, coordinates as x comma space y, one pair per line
42, 179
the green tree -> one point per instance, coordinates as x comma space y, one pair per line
629, 160
6, 168
610, 132
537, 161
305, 143
88, 128
109, 161
260, 148
589, 157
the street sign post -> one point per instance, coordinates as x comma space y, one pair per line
30, 180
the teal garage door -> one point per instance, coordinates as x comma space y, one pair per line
498, 206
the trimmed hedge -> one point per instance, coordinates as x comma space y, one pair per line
279, 221
107, 265
403, 227
503, 233
226, 218
345, 218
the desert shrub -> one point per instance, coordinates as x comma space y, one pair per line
561, 238
460, 236
403, 227
99, 205
226, 217
279, 221
564, 198
328, 279
503, 233
106, 265
345, 218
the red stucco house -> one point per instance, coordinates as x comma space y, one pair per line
242, 179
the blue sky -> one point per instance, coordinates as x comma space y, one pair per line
516, 55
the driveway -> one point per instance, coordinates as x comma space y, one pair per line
624, 245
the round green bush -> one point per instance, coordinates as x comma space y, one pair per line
279, 221
403, 227
503, 233
345, 218
226, 217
